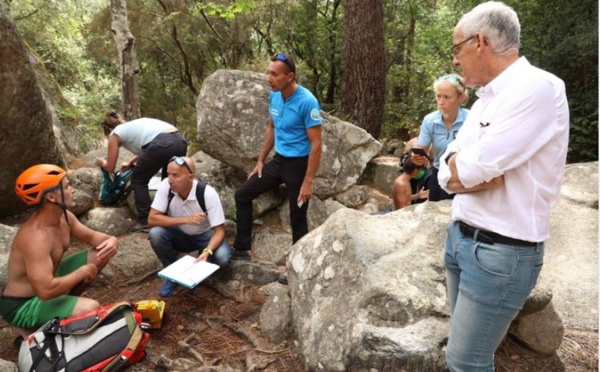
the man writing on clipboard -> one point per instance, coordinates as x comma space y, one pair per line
185, 220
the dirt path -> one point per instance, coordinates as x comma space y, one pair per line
223, 332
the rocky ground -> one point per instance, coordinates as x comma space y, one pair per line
203, 328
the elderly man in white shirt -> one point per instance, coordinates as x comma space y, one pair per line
506, 166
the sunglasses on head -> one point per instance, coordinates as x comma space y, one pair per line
181, 162
450, 78
283, 58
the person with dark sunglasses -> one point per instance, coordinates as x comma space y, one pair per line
153, 142
294, 131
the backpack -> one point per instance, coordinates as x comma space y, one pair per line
199, 196
115, 186
106, 339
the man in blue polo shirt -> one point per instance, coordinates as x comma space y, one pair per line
295, 131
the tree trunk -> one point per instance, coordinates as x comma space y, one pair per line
126, 50
363, 97
333, 65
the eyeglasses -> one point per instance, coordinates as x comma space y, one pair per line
450, 78
181, 162
283, 58
456, 48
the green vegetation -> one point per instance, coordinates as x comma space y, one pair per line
179, 43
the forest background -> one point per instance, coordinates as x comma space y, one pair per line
180, 42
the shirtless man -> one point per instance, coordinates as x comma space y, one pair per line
42, 283
402, 190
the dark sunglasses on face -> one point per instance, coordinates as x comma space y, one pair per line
181, 162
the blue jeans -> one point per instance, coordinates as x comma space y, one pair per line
487, 286
167, 241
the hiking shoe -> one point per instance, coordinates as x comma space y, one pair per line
139, 227
167, 289
242, 256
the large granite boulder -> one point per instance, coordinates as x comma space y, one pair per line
232, 117
7, 233
367, 291
571, 253
26, 121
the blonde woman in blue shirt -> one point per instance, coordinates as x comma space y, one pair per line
440, 127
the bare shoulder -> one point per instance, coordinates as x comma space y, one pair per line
31, 235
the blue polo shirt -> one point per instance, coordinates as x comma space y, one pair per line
434, 132
291, 119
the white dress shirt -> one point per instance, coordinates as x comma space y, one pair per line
518, 128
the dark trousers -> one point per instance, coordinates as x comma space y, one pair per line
155, 155
291, 172
436, 193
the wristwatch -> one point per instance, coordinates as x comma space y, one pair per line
449, 156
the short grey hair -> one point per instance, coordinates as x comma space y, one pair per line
498, 22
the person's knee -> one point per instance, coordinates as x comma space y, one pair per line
157, 236
241, 196
222, 255
85, 305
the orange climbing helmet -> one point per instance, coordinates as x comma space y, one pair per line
33, 183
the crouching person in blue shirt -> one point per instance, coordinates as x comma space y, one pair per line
187, 216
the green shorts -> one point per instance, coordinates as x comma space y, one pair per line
31, 312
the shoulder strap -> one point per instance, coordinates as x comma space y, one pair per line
169, 198
87, 322
199, 196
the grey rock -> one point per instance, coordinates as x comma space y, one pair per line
87, 179
82, 202
316, 214
134, 258
255, 271
27, 120
368, 290
275, 317
354, 196
541, 332
7, 233
272, 246
381, 173
537, 301
112, 221
6, 366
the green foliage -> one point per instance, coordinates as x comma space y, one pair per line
227, 11
181, 42
562, 37
55, 30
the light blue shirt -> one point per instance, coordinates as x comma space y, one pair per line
291, 119
434, 132
137, 133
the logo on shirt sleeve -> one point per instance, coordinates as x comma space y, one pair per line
315, 114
